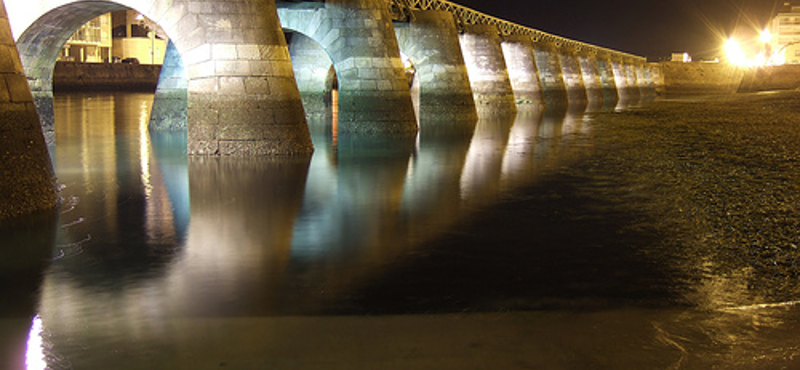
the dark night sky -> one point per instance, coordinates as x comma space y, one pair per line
651, 28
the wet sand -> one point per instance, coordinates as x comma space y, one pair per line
719, 178
673, 243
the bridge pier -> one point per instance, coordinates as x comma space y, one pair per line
657, 78
171, 97
633, 82
243, 97
573, 76
488, 75
643, 78
27, 182
430, 40
605, 69
548, 64
591, 79
624, 84
522, 71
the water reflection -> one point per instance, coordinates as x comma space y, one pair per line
167, 262
25, 249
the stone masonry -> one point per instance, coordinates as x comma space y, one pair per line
27, 183
488, 74
522, 71
374, 94
430, 40
171, 98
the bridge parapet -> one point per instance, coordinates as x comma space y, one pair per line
401, 11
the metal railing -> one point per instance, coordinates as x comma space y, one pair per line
402, 10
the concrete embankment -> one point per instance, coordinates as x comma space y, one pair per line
786, 77
682, 79
105, 76
700, 78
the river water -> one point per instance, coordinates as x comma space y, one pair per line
447, 251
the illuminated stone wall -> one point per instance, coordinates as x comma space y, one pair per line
522, 70
431, 42
315, 78
27, 183
488, 74
605, 69
550, 75
785, 77
573, 76
171, 98
591, 78
374, 93
700, 78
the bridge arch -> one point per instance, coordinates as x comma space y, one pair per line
316, 78
374, 96
242, 94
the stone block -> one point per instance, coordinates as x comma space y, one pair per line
274, 52
331, 36
232, 68
248, 52
252, 124
197, 55
187, 24
9, 59
224, 52
223, 35
205, 69
385, 85
370, 73
197, 147
231, 85
203, 85
293, 114
18, 88
346, 64
5, 31
283, 88
5, 94
256, 85
202, 123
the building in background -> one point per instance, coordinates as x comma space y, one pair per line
137, 37
91, 43
785, 30
123, 36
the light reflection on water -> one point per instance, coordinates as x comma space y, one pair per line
173, 262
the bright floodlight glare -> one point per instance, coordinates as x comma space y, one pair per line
765, 36
734, 53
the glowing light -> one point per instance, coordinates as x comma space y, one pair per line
778, 59
759, 60
34, 356
735, 53
765, 36
144, 149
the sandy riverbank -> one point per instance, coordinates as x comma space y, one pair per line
718, 177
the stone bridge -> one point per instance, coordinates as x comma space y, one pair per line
246, 77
